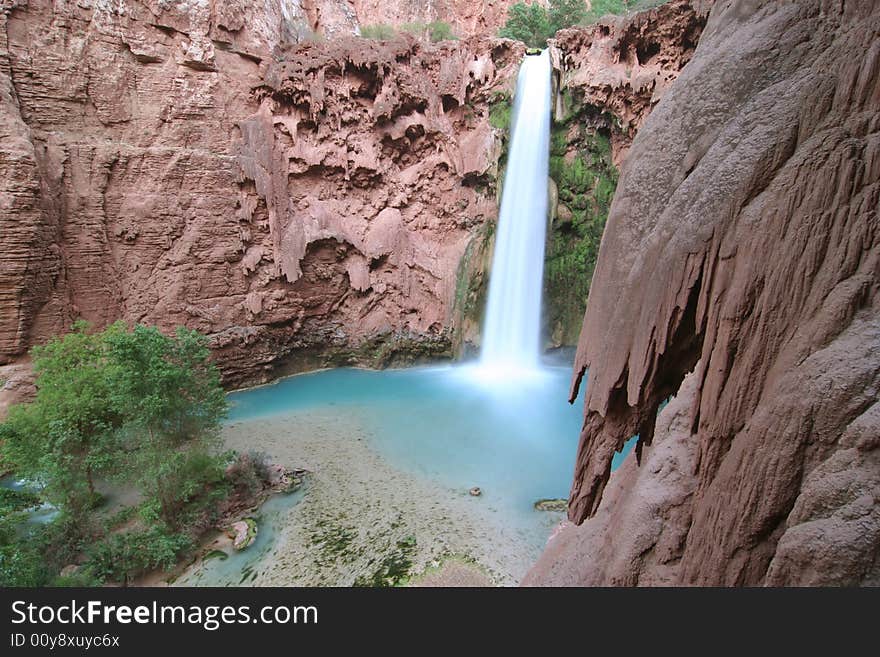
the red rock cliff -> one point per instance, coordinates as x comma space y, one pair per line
184, 164
743, 246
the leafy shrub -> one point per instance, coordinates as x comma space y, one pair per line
249, 473
440, 31
122, 557
379, 32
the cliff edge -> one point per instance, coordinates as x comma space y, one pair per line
741, 251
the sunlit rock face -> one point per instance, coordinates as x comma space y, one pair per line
742, 246
302, 202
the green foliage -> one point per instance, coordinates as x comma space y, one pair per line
585, 184
136, 405
500, 112
440, 31
527, 23
533, 23
600, 8
434, 31
171, 396
67, 436
248, 473
379, 32
21, 563
122, 557
14, 501
565, 13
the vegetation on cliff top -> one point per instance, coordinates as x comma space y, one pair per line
132, 406
533, 23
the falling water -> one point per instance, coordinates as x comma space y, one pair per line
512, 331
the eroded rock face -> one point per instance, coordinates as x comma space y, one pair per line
609, 77
184, 164
466, 17
743, 244
613, 73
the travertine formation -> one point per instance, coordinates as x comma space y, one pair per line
609, 77
188, 163
466, 17
613, 73
743, 245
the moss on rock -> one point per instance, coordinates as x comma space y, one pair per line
585, 177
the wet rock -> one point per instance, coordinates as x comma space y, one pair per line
476, 491
564, 215
243, 533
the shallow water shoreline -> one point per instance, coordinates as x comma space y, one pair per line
359, 513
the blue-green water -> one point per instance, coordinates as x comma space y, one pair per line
239, 568
41, 514
515, 439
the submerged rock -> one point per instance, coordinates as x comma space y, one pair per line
552, 504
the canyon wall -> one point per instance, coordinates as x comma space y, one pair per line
193, 163
740, 271
466, 17
608, 76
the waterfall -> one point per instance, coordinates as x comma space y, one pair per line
511, 336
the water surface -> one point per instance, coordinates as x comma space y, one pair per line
514, 439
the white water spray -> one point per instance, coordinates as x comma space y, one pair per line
511, 337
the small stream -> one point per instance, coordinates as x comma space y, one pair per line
41, 514
240, 568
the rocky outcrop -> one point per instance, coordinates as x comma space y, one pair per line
610, 75
743, 245
637, 534
190, 164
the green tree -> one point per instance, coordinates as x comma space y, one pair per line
133, 404
527, 23
565, 13
170, 395
66, 437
